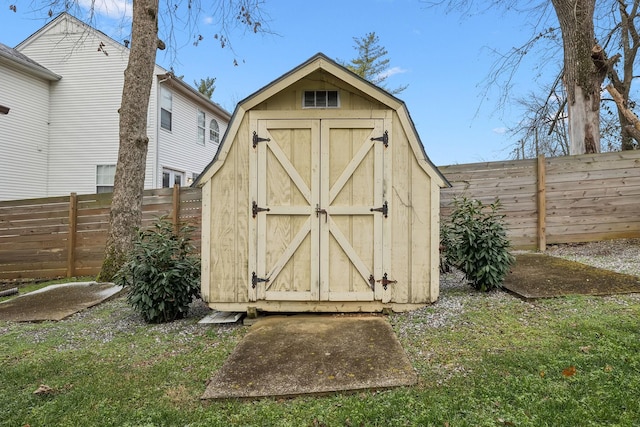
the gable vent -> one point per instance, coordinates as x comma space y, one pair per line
320, 99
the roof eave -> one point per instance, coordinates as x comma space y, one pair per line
33, 69
171, 80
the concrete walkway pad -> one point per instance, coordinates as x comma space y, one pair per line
56, 302
304, 354
543, 276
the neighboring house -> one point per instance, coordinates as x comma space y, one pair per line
62, 87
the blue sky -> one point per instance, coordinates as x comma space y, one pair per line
443, 59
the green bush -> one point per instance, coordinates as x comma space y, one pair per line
162, 273
474, 241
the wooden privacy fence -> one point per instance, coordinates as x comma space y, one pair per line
66, 236
546, 201
556, 200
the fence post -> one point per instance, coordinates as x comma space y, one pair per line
175, 214
71, 241
542, 204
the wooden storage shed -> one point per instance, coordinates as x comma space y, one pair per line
321, 198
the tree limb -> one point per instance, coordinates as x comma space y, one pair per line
634, 128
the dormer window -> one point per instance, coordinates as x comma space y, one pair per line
320, 99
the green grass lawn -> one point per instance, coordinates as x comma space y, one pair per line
488, 360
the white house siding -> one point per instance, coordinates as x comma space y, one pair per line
23, 134
84, 130
179, 148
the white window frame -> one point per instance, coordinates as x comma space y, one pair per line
214, 131
173, 176
166, 105
105, 177
202, 126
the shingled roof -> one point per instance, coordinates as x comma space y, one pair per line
11, 56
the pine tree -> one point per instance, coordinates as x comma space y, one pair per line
371, 63
206, 86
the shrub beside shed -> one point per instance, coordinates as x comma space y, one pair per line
320, 199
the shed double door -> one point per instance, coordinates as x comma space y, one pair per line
318, 210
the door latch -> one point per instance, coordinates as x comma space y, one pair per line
321, 211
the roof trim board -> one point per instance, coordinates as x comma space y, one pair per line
322, 62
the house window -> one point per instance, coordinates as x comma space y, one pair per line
171, 177
201, 127
214, 131
320, 99
166, 108
105, 175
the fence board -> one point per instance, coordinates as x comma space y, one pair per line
34, 233
586, 198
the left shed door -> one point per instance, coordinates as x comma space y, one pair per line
286, 177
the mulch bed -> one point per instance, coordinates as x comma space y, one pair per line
543, 276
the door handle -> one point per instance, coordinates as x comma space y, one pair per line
321, 211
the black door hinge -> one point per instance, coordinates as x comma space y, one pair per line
255, 209
255, 280
257, 139
385, 281
384, 209
384, 138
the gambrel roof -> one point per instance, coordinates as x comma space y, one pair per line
322, 62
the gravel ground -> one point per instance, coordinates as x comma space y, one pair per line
455, 296
622, 256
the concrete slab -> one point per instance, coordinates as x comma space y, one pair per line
221, 317
309, 354
542, 276
56, 302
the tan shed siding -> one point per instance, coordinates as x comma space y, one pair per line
229, 280
421, 233
434, 249
23, 160
411, 213
205, 242
179, 148
400, 262
291, 98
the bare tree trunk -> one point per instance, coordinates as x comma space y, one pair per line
126, 207
581, 78
631, 122
630, 41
